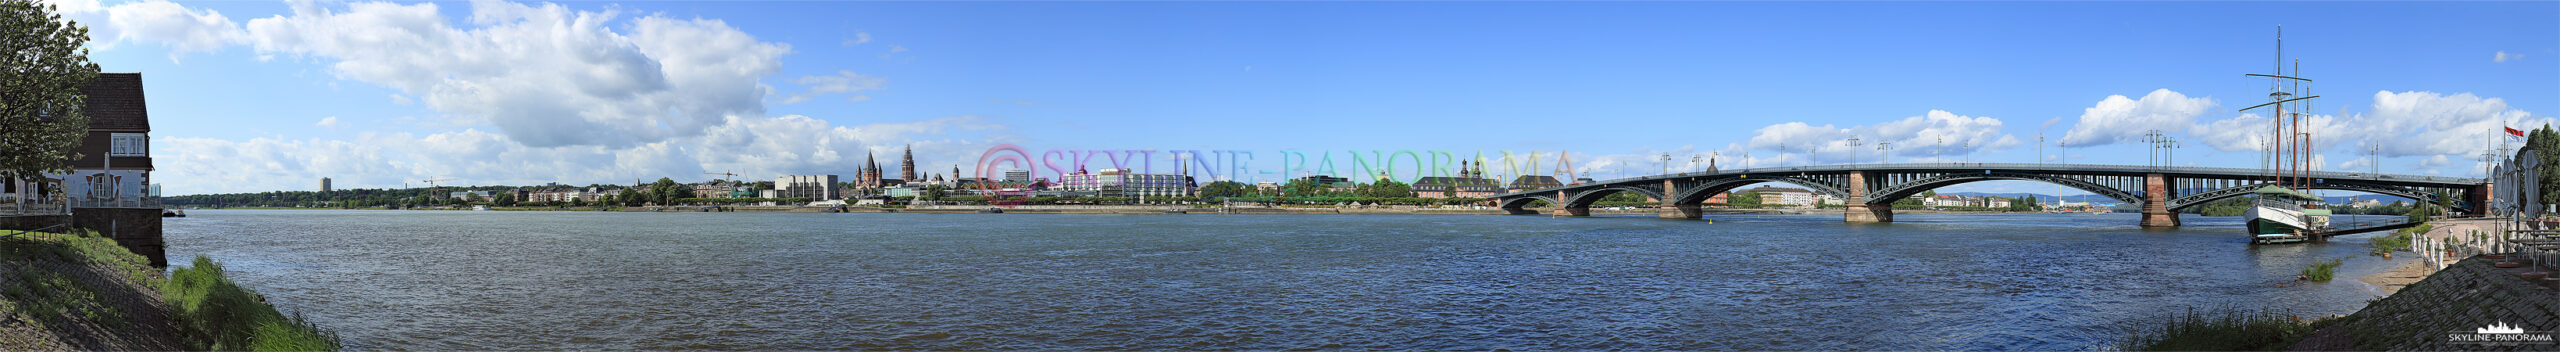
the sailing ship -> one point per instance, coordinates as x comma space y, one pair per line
2281, 213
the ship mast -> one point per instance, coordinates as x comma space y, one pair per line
2289, 147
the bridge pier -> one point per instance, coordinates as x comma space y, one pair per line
2155, 202
1691, 211
1671, 209
1859, 210
1564, 208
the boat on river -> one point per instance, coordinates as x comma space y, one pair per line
2281, 215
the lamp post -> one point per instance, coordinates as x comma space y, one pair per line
1666, 163
1853, 150
1884, 152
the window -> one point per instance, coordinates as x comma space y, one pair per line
129, 144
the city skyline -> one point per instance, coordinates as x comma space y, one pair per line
516, 93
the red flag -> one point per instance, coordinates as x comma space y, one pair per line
2514, 131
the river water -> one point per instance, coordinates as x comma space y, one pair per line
451, 280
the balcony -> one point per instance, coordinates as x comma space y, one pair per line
139, 202
13, 208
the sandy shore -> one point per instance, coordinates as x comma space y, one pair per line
2390, 281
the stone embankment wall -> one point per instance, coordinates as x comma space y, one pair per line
137, 229
2467, 295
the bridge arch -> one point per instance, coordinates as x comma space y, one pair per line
1896, 191
1519, 205
1697, 192
1585, 198
2201, 198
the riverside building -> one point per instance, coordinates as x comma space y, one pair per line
1120, 183
814, 187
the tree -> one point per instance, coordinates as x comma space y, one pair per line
1217, 189
1387, 189
506, 199
41, 108
665, 190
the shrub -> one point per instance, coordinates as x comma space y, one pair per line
2322, 271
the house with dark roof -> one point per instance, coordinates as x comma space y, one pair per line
1459, 187
1532, 182
114, 165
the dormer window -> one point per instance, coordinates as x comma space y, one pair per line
130, 144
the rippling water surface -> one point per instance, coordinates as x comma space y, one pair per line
441, 280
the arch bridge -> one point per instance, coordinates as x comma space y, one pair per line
1869, 190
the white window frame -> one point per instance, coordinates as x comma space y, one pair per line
128, 144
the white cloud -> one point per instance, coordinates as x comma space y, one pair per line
2119, 119
181, 29
329, 122
858, 39
544, 76
2503, 57
1937, 135
844, 81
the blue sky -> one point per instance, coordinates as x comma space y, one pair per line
260, 96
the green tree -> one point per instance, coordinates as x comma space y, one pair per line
506, 199
1213, 190
1742, 198
41, 117
2549, 153
1387, 189
665, 191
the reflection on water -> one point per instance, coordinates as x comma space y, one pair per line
527, 280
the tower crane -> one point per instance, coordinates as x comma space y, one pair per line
432, 184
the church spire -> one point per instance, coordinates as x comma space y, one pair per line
907, 166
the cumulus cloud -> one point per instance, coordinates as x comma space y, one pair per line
329, 122
2503, 57
2120, 119
182, 29
1937, 135
844, 81
858, 39
544, 76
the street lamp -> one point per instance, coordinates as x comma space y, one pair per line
1853, 150
1666, 163
1884, 152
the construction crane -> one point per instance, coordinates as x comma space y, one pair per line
732, 176
733, 182
432, 185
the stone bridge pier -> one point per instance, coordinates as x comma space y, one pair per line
2155, 201
1566, 208
1671, 207
1861, 211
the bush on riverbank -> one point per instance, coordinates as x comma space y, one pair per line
214, 314
2218, 329
2322, 271
2398, 241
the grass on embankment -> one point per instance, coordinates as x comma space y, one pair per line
2322, 271
215, 314
2218, 329
84, 292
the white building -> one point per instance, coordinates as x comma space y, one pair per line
1120, 183
1783, 195
813, 187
